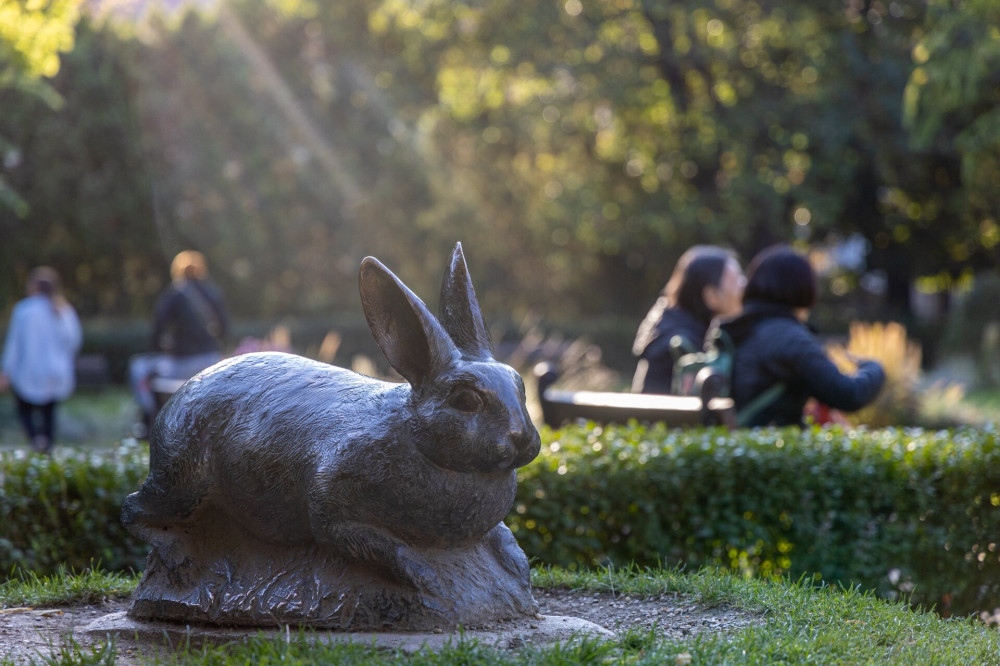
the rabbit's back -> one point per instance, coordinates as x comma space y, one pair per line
291, 448
252, 434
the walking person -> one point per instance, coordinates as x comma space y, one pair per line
189, 322
43, 339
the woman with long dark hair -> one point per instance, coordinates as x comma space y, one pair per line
707, 282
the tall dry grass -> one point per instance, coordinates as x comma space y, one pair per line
899, 401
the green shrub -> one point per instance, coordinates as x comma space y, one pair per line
64, 510
898, 511
894, 510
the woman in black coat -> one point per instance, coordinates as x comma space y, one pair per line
774, 346
707, 282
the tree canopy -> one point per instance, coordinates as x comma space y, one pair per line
576, 148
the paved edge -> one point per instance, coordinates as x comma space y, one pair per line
546, 629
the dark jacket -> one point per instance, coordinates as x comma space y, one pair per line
652, 345
773, 346
189, 319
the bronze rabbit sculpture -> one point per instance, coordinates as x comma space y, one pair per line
284, 490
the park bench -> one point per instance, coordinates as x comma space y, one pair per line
163, 388
560, 407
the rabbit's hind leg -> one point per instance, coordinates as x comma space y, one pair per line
508, 552
364, 543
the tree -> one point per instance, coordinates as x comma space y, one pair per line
952, 107
32, 35
82, 170
576, 148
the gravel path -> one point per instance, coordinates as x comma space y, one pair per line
27, 634
672, 615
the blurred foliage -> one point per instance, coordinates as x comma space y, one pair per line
82, 170
899, 511
575, 148
973, 328
32, 35
62, 511
952, 101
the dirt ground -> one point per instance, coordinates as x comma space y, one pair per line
29, 634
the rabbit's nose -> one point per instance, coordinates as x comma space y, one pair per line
527, 443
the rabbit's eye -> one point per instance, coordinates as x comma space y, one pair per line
465, 400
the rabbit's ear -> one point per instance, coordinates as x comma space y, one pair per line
411, 338
460, 313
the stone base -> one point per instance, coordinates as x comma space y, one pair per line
212, 572
540, 630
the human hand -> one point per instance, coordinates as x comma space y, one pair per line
4, 383
854, 358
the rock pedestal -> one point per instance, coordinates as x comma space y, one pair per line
213, 572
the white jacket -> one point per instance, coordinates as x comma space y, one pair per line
40, 348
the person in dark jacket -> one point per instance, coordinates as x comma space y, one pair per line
774, 345
707, 282
189, 322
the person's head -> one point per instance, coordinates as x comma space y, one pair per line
781, 276
44, 280
707, 282
188, 265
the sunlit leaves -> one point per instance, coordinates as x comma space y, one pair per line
467, 91
295, 8
32, 35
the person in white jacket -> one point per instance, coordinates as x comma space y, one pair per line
38, 357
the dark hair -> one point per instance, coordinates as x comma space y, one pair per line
781, 276
43, 280
699, 267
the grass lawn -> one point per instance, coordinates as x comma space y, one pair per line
801, 625
986, 401
95, 419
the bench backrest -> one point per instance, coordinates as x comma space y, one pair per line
560, 406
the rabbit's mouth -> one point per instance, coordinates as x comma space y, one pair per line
507, 456
503, 455
523, 448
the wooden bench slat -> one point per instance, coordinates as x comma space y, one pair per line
561, 406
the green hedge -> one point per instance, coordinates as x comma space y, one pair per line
64, 510
895, 510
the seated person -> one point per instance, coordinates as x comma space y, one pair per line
707, 282
774, 345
